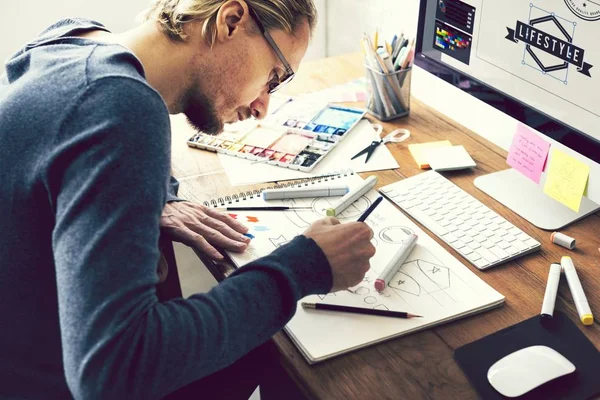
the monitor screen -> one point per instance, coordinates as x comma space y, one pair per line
533, 60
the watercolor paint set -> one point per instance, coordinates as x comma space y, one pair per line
291, 142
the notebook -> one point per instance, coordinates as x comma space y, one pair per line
296, 135
431, 282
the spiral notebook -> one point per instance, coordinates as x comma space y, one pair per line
431, 282
248, 195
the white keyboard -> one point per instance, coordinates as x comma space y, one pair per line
478, 233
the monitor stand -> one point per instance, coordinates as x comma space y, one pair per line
527, 199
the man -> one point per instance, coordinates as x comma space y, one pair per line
84, 155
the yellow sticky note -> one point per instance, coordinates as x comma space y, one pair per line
567, 179
419, 151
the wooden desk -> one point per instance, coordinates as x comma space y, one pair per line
419, 365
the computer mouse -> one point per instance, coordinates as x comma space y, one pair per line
527, 368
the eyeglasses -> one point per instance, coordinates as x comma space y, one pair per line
289, 72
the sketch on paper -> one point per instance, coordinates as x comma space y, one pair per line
394, 234
278, 241
362, 290
430, 282
381, 307
323, 296
421, 283
319, 205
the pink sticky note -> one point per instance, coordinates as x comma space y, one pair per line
528, 153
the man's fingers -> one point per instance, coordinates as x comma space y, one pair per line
222, 228
329, 221
204, 229
217, 238
198, 242
232, 223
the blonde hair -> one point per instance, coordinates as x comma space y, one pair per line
172, 15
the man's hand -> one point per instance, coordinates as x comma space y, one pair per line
203, 228
348, 248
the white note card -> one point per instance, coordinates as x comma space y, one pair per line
449, 158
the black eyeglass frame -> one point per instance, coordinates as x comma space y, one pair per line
289, 72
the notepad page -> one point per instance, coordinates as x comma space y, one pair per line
431, 282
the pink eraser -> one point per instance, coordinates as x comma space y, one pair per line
379, 284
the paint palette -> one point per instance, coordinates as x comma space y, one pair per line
291, 142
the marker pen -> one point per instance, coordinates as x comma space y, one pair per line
308, 191
581, 303
550, 294
407, 245
351, 197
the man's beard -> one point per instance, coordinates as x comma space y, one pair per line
201, 113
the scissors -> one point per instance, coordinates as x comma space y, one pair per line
396, 136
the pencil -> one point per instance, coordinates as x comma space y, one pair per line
261, 208
359, 310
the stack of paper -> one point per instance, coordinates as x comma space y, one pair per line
441, 156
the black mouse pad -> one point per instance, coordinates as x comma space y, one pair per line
561, 334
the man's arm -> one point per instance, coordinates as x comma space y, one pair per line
106, 178
172, 189
201, 227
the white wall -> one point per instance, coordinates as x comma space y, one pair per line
347, 20
24, 19
341, 22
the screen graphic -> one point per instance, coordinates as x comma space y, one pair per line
543, 53
453, 42
456, 13
549, 44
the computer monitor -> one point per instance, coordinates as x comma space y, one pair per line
533, 61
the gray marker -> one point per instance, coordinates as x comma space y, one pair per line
308, 191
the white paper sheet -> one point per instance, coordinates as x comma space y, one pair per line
243, 172
431, 282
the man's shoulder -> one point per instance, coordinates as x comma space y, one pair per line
114, 61
98, 59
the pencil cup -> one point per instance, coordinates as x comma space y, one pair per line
388, 95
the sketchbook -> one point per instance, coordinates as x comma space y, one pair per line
431, 282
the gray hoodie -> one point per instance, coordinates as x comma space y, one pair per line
84, 161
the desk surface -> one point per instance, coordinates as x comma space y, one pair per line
419, 365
